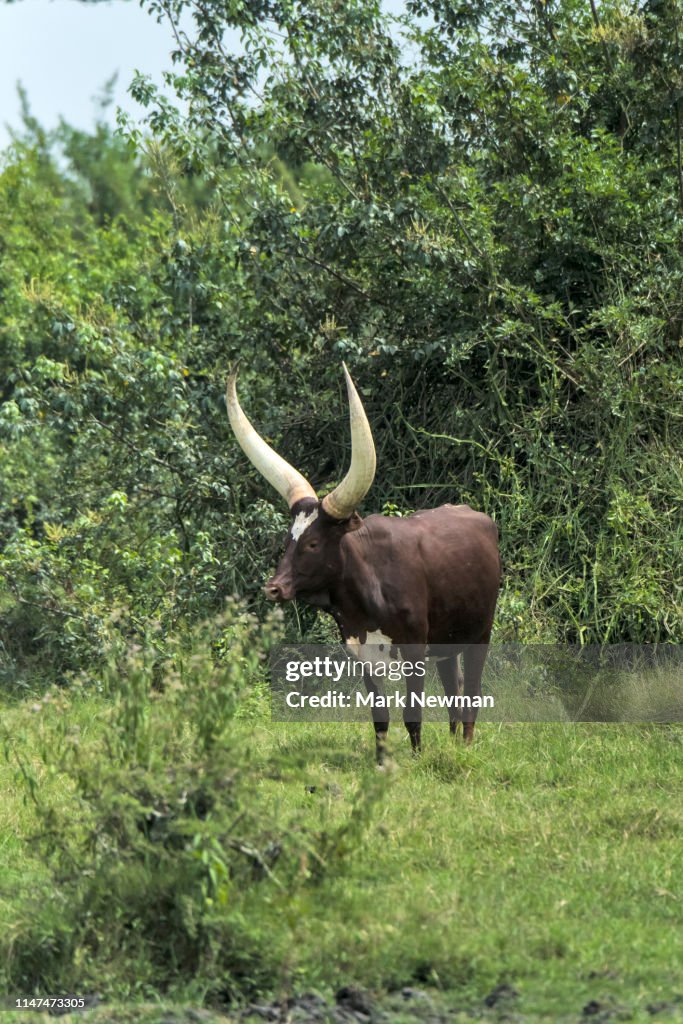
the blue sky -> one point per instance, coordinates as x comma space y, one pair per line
64, 51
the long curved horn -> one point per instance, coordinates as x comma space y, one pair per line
347, 496
283, 477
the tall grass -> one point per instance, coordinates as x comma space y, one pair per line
159, 845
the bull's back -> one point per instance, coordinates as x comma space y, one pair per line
447, 560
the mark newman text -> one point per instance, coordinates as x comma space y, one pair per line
339, 699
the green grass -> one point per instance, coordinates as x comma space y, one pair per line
545, 856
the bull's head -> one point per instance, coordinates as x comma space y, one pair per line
313, 557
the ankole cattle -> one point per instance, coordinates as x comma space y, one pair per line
407, 585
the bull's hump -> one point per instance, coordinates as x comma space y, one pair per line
302, 521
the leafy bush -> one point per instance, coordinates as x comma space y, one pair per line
166, 827
480, 214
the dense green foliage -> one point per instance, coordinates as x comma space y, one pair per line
478, 207
485, 223
144, 837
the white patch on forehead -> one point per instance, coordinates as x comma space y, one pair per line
302, 521
376, 649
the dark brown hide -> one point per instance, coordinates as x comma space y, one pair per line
428, 579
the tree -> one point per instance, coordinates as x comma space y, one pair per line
493, 241
481, 216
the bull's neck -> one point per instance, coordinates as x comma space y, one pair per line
357, 597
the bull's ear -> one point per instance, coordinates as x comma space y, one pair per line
353, 523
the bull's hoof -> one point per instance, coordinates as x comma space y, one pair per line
415, 739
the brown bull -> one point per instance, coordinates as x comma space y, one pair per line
390, 583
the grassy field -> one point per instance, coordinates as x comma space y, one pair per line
547, 858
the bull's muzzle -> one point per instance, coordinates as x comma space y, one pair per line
278, 590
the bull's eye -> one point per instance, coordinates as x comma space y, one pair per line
312, 545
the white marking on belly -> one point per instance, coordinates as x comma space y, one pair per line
302, 521
376, 649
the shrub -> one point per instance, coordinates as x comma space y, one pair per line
167, 828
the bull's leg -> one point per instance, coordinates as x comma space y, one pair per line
380, 719
415, 684
451, 680
474, 659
